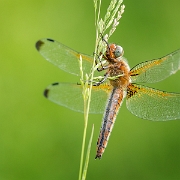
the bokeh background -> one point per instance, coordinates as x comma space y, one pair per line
41, 140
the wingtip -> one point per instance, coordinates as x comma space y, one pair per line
46, 92
39, 44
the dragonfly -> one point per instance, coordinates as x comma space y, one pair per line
108, 94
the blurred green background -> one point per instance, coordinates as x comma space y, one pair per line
41, 140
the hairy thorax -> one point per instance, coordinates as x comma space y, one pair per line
120, 68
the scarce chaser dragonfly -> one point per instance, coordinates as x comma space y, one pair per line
108, 94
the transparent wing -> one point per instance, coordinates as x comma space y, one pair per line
156, 70
70, 96
152, 104
63, 57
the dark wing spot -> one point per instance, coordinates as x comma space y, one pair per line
50, 40
39, 44
54, 84
132, 90
46, 91
134, 74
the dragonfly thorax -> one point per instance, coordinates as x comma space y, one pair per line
121, 69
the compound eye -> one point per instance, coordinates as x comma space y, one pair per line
119, 51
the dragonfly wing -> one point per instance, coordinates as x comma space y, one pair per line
156, 70
70, 96
63, 57
152, 104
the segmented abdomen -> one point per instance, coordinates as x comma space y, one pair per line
112, 108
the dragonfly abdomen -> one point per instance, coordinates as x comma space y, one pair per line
112, 108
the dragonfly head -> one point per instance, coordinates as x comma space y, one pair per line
118, 51
115, 51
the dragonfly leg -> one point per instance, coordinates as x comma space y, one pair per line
99, 61
101, 81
